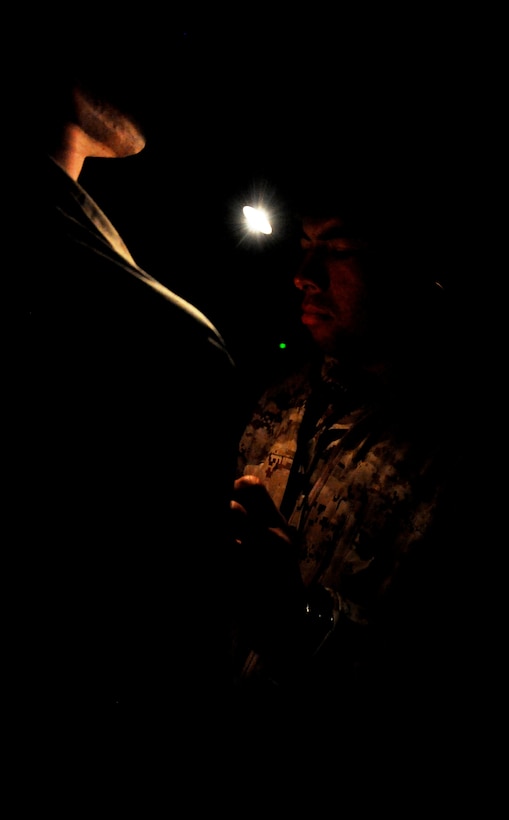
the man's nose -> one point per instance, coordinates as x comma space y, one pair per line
312, 273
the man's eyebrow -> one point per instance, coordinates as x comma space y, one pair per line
336, 232
333, 232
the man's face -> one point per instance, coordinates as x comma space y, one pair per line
331, 278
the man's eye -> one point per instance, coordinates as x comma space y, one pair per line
330, 247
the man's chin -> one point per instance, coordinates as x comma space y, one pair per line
321, 336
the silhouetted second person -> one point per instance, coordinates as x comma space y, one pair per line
126, 548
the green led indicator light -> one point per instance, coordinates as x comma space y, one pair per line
282, 345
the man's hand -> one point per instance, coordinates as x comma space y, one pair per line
270, 593
254, 511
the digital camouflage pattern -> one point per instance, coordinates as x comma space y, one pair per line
358, 470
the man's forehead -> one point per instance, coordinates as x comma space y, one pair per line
331, 226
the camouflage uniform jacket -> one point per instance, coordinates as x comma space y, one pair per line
358, 473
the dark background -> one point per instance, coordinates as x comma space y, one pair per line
248, 109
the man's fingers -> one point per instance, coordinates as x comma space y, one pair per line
252, 495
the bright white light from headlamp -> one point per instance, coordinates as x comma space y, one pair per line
257, 220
